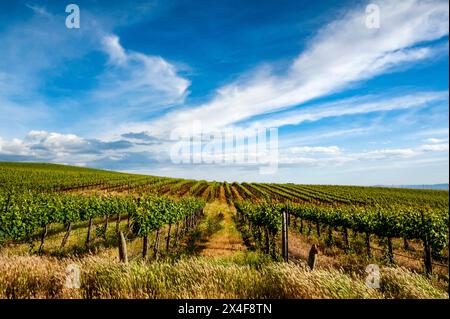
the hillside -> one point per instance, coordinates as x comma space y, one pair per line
128, 228
425, 186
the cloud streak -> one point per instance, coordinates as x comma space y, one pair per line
342, 53
353, 106
337, 156
137, 80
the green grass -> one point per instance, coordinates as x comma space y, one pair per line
181, 272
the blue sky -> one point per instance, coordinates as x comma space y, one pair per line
352, 104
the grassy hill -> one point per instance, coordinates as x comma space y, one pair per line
227, 251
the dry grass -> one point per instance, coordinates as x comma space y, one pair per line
240, 276
31, 277
355, 260
402, 283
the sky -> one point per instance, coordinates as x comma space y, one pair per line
357, 92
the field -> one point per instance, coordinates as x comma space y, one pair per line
139, 236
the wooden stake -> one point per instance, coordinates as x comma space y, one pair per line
145, 246
118, 223
312, 256
267, 238
88, 237
427, 257
405, 243
123, 249
44, 233
155, 248
390, 250
369, 253
168, 238
66, 235
106, 224
176, 233
285, 238
345, 237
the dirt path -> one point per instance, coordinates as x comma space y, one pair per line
226, 240
222, 196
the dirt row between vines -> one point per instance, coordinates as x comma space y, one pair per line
225, 240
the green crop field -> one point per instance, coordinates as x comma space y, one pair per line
139, 236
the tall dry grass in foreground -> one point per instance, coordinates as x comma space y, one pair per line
249, 276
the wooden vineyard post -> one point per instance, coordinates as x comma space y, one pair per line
122, 249
129, 222
168, 237
329, 240
367, 240
267, 239
177, 226
118, 223
390, 253
312, 256
88, 237
427, 256
145, 247
44, 233
427, 251
156, 247
345, 237
106, 224
66, 235
285, 237
405, 243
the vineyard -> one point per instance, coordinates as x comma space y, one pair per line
53, 214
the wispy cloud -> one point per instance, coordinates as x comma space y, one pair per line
315, 149
435, 147
313, 155
131, 85
444, 131
115, 51
38, 9
343, 53
137, 81
352, 106
436, 140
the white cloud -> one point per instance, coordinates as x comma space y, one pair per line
315, 149
63, 148
341, 54
435, 131
55, 141
352, 106
388, 154
136, 81
113, 48
38, 10
325, 156
436, 140
435, 147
